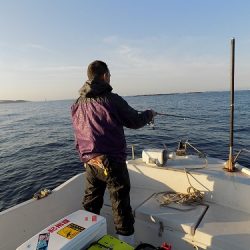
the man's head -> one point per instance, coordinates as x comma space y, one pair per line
98, 70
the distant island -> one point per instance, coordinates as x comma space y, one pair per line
12, 101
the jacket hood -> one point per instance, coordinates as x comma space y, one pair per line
94, 88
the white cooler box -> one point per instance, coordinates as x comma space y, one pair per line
75, 231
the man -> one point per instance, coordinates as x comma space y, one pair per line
98, 118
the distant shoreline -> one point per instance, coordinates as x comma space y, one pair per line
169, 94
12, 101
129, 95
192, 92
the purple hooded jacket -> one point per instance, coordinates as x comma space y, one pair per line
98, 117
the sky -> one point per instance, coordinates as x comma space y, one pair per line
150, 46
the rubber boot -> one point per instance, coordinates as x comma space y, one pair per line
128, 239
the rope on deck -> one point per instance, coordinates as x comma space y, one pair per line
193, 196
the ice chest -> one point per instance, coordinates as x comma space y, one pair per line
75, 231
110, 242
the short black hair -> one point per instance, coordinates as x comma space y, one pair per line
97, 69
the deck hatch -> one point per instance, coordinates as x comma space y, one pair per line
174, 217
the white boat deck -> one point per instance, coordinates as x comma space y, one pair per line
224, 228
223, 222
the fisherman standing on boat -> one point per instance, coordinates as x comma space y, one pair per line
98, 117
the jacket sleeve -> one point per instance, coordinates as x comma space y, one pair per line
130, 117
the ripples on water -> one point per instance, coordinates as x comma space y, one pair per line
37, 143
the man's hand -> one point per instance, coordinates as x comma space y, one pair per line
154, 113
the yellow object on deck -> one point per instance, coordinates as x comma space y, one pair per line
110, 242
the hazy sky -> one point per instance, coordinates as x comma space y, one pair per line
151, 46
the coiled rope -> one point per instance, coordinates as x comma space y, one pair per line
192, 197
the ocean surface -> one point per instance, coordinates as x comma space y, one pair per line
37, 143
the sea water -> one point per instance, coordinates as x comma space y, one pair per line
37, 142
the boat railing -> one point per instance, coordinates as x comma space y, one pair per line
239, 153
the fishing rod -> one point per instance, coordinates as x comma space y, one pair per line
180, 116
152, 124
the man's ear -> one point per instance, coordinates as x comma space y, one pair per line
102, 77
106, 76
